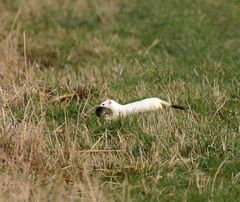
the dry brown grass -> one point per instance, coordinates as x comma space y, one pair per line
52, 147
30, 153
42, 160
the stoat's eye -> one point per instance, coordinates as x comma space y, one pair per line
103, 104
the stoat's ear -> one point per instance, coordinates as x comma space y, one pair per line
109, 102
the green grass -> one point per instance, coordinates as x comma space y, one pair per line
79, 53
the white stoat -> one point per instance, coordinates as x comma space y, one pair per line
149, 104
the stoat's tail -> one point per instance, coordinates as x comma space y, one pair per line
172, 105
178, 107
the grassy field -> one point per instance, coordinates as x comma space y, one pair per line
59, 59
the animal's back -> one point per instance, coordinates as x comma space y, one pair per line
147, 104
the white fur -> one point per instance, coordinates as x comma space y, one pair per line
118, 110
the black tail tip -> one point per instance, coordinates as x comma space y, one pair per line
178, 107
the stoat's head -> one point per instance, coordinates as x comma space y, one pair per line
109, 104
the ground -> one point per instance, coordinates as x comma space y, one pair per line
60, 59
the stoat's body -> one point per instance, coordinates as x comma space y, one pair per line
149, 104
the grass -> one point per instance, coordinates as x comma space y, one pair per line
59, 59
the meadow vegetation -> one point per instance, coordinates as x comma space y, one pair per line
59, 59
